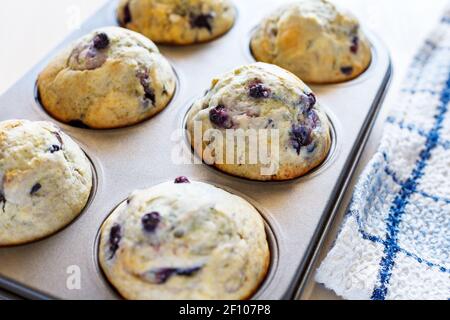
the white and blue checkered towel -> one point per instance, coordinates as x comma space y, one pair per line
395, 240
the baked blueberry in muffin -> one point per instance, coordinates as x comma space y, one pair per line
179, 22
315, 40
253, 98
45, 181
184, 241
110, 78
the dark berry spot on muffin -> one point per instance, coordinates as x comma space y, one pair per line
311, 147
300, 137
182, 180
188, 271
2, 200
126, 15
94, 59
161, 276
54, 148
313, 119
274, 32
179, 233
355, 45
308, 100
202, 21
78, 124
35, 188
150, 221
144, 79
270, 123
86, 57
115, 236
258, 90
219, 116
101, 41
347, 70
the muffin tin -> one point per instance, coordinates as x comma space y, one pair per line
297, 213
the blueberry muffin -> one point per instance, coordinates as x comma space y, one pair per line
179, 22
45, 181
184, 240
260, 99
110, 78
315, 40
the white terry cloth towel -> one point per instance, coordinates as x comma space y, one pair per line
395, 239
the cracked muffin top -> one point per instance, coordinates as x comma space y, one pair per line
179, 22
184, 240
315, 40
109, 78
45, 181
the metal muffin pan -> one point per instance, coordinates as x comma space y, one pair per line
297, 212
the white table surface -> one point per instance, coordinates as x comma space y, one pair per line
29, 29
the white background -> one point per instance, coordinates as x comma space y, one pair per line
29, 29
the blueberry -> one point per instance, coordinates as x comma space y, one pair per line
115, 236
219, 116
258, 90
202, 21
160, 276
355, 45
311, 147
144, 79
150, 221
309, 100
54, 148
270, 123
126, 15
187, 272
300, 137
101, 41
150, 95
313, 119
2, 200
35, 188
182, 180
347, 70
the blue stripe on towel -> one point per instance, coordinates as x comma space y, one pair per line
375, 239
402, 199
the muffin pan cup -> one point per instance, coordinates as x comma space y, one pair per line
298, 213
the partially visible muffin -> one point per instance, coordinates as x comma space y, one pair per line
45, 181
287, 134
315, 40
184, 240
109, 78
178, 22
